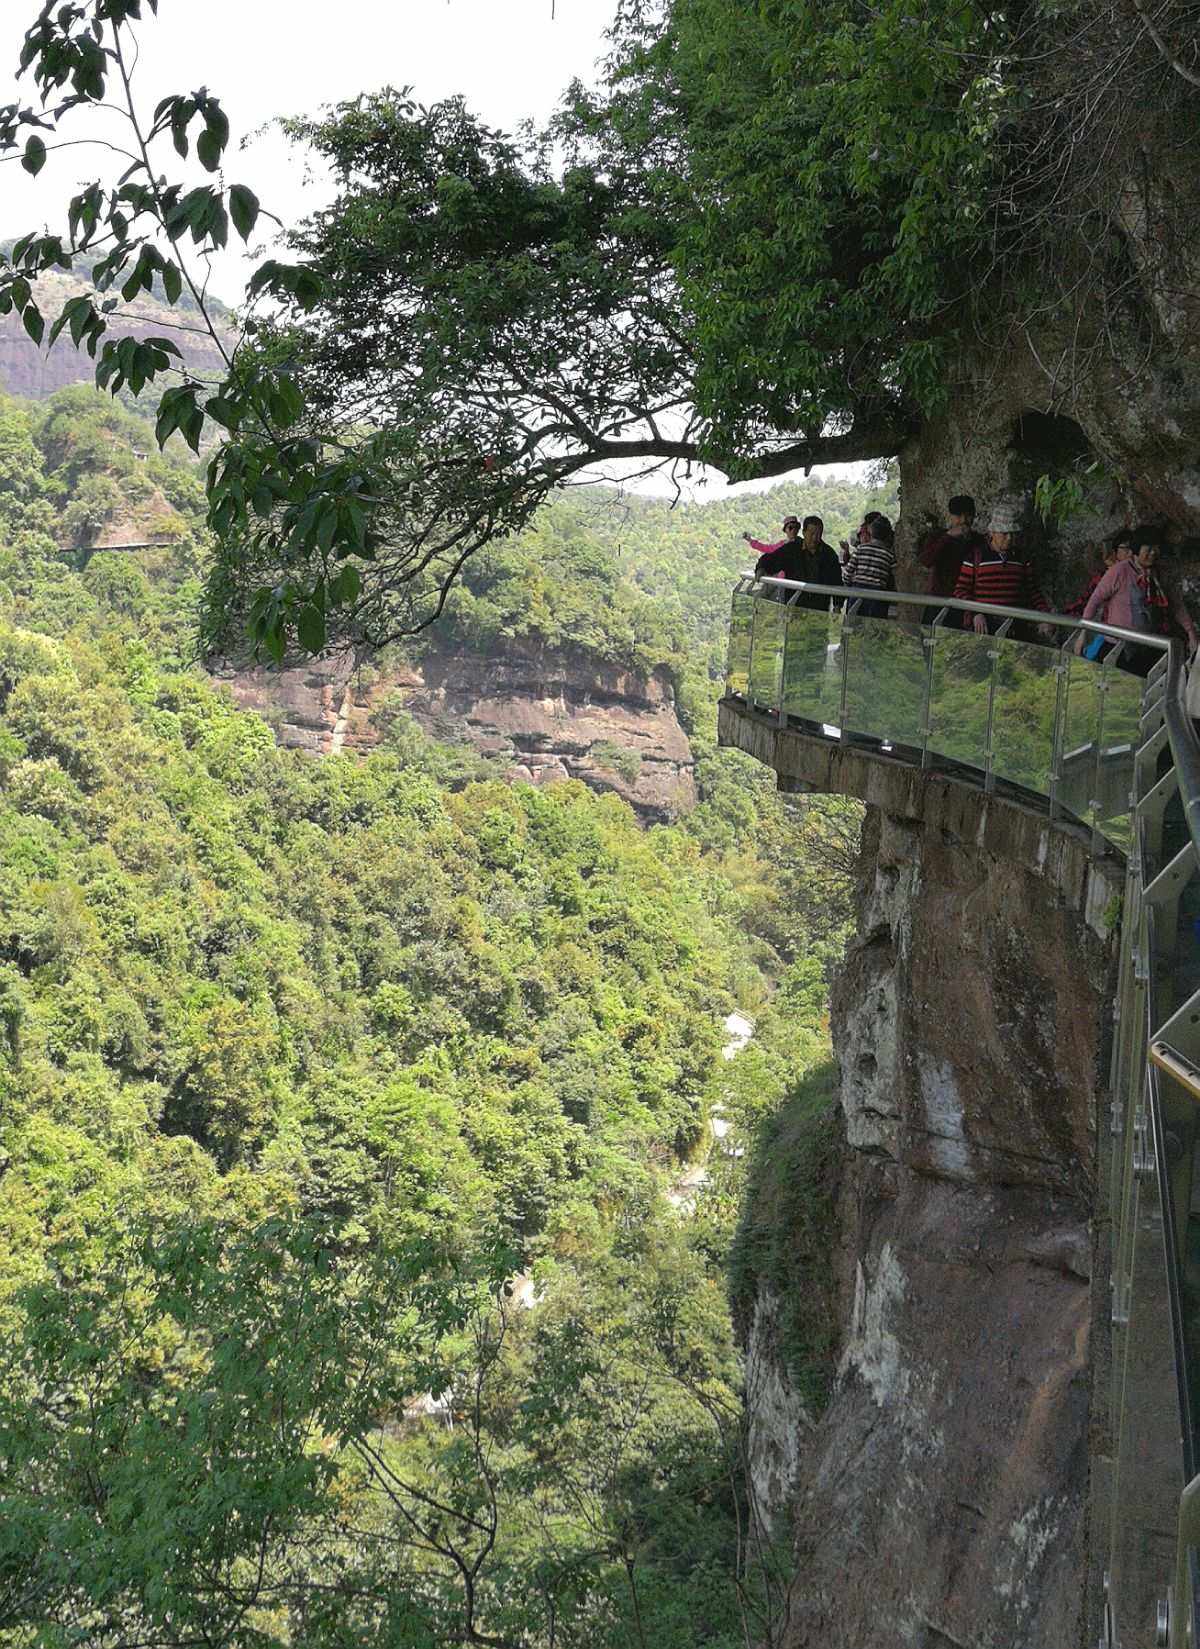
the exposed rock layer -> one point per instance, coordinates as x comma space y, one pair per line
34, 372
940, 1500
549, 715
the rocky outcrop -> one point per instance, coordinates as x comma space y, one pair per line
1004, 430
940, 1499
34, 372
953, 1456
547, 715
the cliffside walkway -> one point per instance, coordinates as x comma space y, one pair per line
1102, 756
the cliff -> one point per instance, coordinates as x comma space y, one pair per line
548, 715
941, 1496
35, 373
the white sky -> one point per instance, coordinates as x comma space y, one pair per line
508, 58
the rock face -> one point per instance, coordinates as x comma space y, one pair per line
549, 715
34, 373
998, 439
1106, 368
940, 1499
953, 1457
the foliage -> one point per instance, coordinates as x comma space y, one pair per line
761, 243
298, 1060
277, 485
819, 303
783, 1250
73, 460
244, 988
1059, 497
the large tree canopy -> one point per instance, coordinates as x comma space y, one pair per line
762, 243
706, 261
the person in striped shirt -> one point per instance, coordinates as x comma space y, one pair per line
999, 576
872, 563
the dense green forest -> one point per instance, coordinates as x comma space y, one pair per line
302, 1062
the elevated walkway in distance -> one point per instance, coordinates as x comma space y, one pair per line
1093, 774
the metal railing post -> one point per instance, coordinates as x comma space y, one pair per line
1095, 802
850, 612
1062, 670
750, 658
929, 642
994, 653
783, 659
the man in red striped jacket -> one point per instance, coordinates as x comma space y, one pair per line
998, 576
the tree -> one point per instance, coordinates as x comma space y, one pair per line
775, 237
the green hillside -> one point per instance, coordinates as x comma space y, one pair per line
301, 1060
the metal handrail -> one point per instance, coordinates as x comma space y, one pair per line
1171, 1061
986, 609
1154, 1183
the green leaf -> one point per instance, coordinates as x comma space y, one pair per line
344, 588
34, 324
225, 412
34, 157
182, 110
286, 402
310, 629
308, 289
208, 150
243, 209
192, 427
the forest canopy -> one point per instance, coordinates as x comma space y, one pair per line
313, 1074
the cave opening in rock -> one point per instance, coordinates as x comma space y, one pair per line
1049, 443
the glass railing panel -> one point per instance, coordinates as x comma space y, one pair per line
1023, 712
812, 670
1080, 737
1118, 746
958, 702
766, 652
885, 680
741, 628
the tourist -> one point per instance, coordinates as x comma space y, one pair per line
997, 575
856, 537
1108, 559
778, 560
944, 552
817, 563
1117, 599
1166, 613
872, 564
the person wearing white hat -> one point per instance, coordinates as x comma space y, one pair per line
999, 576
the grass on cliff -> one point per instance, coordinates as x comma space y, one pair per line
786, 1235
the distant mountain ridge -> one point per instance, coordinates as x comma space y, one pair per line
35, 373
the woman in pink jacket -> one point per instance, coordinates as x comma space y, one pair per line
1118, 599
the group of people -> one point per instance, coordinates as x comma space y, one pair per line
802, 554
966, 564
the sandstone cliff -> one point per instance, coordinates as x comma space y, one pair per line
548, 715
35, 373
940, 1499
